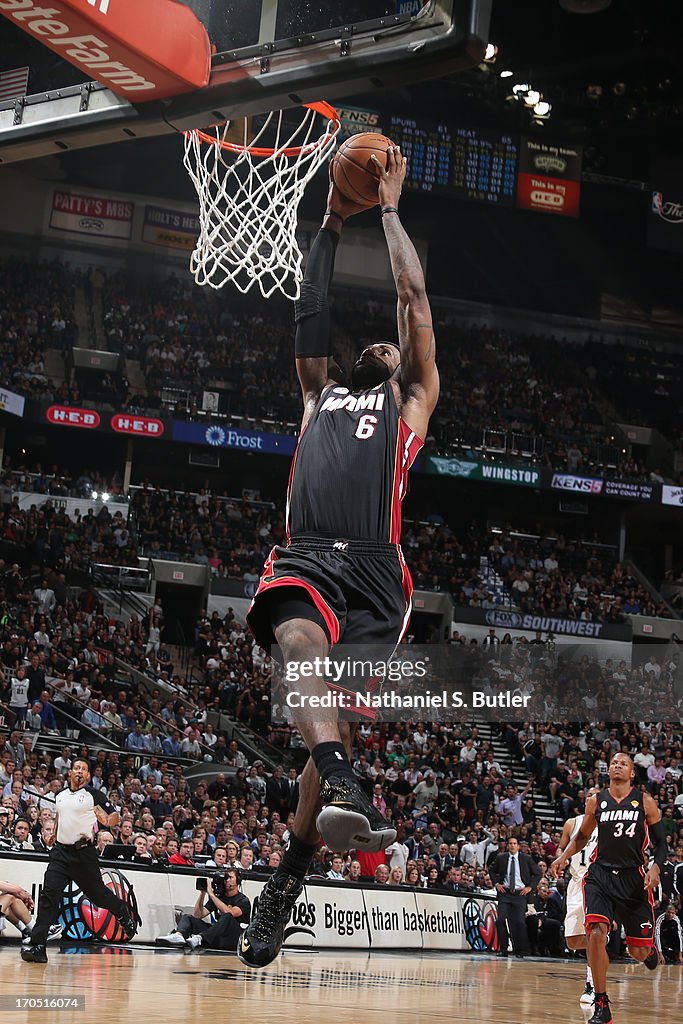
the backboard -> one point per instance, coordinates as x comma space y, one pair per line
269, 55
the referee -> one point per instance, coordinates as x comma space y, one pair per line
74, 858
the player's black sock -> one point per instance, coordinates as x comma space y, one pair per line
331, 758
296, 859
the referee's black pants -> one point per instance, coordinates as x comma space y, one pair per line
81, 866
511, 914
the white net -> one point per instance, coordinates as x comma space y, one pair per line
249, 199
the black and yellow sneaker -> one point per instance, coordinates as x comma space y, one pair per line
601, 1013
348, 819
261, 941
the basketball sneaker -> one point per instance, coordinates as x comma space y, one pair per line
128, 922
174, 940
588, 995
651, 961
349, 820
34, 954
261, 941
602, 1013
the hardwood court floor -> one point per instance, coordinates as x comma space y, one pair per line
141, 984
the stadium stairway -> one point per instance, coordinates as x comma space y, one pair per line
54, 365
544, 805
494, 584
135, 377
83, 316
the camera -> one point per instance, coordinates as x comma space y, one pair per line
217, 877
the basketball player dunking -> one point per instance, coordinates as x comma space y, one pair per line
574, 924
342, 577
616, 885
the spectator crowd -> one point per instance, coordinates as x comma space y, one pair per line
513, 394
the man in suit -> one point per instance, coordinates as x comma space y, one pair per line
416, 845
292, 790
444, 861
515, 875
277, 792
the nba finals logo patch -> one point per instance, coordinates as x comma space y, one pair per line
634, 803
80, 919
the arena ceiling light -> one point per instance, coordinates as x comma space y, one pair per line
506, 74
491, 53
520, 89
542, 110
532, 98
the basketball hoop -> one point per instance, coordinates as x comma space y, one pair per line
249, 195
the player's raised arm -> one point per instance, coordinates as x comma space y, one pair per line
419, 377
311, 311
566, 836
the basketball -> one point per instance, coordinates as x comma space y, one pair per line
353, 170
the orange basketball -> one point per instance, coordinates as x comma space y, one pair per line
354, 172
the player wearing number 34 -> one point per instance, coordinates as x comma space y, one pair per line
617, 886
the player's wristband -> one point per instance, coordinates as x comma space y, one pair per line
389, 209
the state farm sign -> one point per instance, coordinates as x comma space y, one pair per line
67, 416
139, 426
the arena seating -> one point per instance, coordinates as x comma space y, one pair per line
109, 685
503, 393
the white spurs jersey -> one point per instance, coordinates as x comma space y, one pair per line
580, 862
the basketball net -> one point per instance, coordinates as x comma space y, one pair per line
249, 197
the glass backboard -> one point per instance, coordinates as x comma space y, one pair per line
268, 55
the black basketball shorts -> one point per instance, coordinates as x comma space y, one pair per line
361, 590
358, 591
618, 894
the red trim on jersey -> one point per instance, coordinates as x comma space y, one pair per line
408, 444
407, 580
395, 517
611, 794
630, 941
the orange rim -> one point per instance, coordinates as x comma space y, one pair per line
321, 107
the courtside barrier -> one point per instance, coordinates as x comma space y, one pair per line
329, 915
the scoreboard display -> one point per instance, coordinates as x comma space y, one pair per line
469, 163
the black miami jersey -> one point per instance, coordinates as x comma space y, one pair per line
350, 470
623, 836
